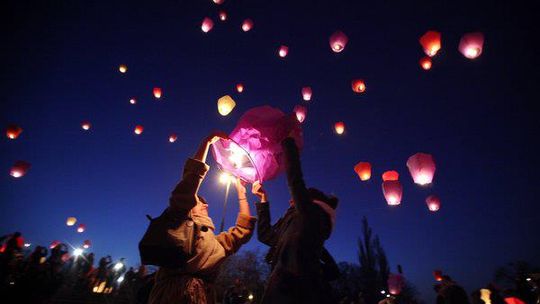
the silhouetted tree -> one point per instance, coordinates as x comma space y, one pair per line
514, 277
374, 267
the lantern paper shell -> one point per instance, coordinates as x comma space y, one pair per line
225, 105
207, 25
86, 125
283, 51
87, 244
363, 169
339, 127
19, 169
133, 101
122, 68
172, 138
81, 228
54, 244
422, 168
259, 133
157, 93
393, 192
71, 221
338, 41
358, 86
13, 131
431, 42
513, 300
222, 16
425, 63
390, 176
433, 203
218, 1
471, 45
240, 88
307, 93
437, 274
138, 129
301, 113
247, 25
395, 284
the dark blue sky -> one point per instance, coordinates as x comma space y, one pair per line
59, 67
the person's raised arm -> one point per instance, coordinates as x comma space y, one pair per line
295, 178
265, 231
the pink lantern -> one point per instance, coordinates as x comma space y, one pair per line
222, 15
19, 169
207, 25
157, 93
172, 138
422, 168
85, 125
390, 176
54, 244
218, 2
393, 192
338, 41
300, 112
425, 63
13, 131
433, 203
240, 88
133, 101
395, 284
138, 129
87, 244
283, 51
307, 93
471, 45
431, 42
81, 228
247, 25
254, 152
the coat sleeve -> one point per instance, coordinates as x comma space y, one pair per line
184, 195
265, 230
238, 235
329, 266
295, 178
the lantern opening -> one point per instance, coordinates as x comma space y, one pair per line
235, 160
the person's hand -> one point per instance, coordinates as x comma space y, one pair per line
217, 135
258, 190
240, 188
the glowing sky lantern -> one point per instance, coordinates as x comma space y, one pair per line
13, 131
395, 284
157, 92
437, 274
133, 101
70, 221
247, 25
85, 125
390, 176
425, 63
19, 169
513, 300
307, 93
225, 105
172, 138
283, 51
207, 24
222, 15
433, 203
338, 41
358, 86
138, 129
485, 295
431, 42
363, 169
422, 168
87, 244
122, 68
81, 228
392, 191
339, 127
239, 88
218, 1
54, 244
471, 45
301, 112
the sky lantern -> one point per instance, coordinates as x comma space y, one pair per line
81, 228
225, 105
85, 125
157, 92
425, 63
87, 244
437, 274
247, 25
172, 138
301, 112
363, 169
433, 203
392, 191
207, 24
306, 93
222, 15
218, 1
395, 283
431, 42
339, 127
71, 221
390, 176
422, 168
239, 87
138, 129
338, 41
358, 86
471, 45
54, 244
13, 131
283, 51
133, 101
513, 300
122, 68
19, 169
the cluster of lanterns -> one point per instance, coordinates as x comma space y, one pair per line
470, 46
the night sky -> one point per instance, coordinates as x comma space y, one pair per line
60, 66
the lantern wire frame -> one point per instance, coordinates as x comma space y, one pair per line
225, 150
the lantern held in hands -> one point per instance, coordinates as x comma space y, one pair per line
19, 169
338, 41
393, 192
13, 131
363, 169
422, 168
471, 45
225, 105
431, 42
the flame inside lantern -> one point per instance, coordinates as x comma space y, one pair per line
235, 160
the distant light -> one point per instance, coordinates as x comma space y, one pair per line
85, 125
383, 291
250, 297
388, 296
172, 138
27, 245
528, 279
120, 279
133, 101
77, 252
118, 266
138, 129
222, 16
226, 178
122, 68
247, 25
283, 51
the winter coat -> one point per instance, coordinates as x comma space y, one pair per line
192, 283
297, 275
